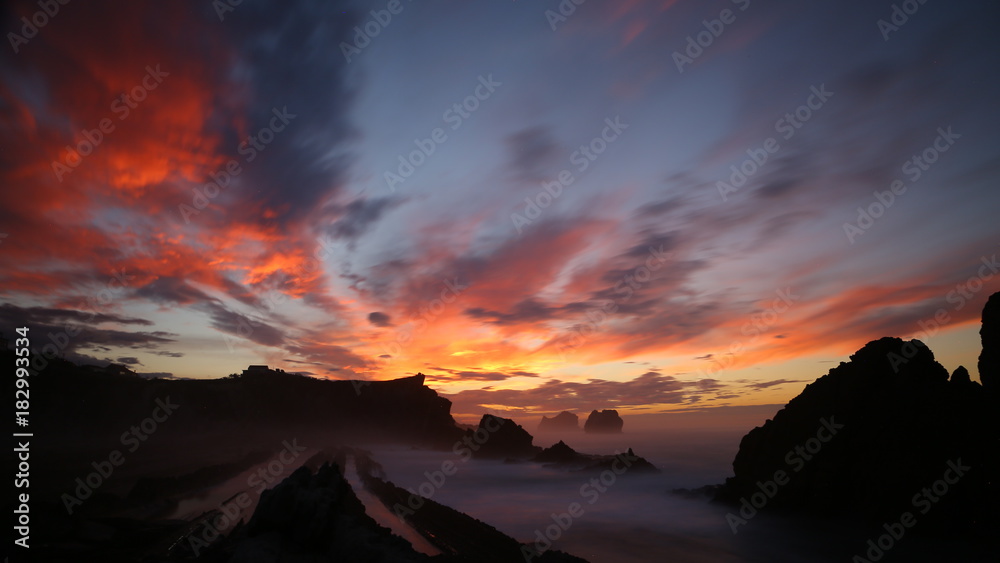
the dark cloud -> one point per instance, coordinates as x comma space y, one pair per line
379, 319
237, 324
526, 311
533, 152
357, 217
298, 45
473, 374
61, 323
173, 291
11, 315
772, 383
650, 388
169, 354
129, 361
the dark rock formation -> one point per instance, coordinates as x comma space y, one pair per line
557, 453
604, 422
861, 441
315, 517
989, 359
564, 421
960, 376
563, 456
80, 404
500, 438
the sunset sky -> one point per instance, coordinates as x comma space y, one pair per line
335, 251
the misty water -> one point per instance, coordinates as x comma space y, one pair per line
635, 518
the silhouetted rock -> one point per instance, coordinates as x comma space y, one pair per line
862, 440
960, 376
557, 453
604, 422
989, 358
560, 422
316, 517
500, 438
565, 457
82, 403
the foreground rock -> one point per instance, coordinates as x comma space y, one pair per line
989, 359
883, 434
313, 517
604, 422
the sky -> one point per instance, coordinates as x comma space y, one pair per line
645, 205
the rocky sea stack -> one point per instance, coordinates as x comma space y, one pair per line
604, 422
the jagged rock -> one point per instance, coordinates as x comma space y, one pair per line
604, 422
960, 376
557, 453
989, 358
561, 455
862, 440
501, 438
562, 421
315, 517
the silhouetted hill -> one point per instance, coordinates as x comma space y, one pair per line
868, 439
74, 402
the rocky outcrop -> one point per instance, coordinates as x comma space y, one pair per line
500, 438
82, 404
564, 421
989, 359
604, 422
315, 517
562, 456
862, 440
